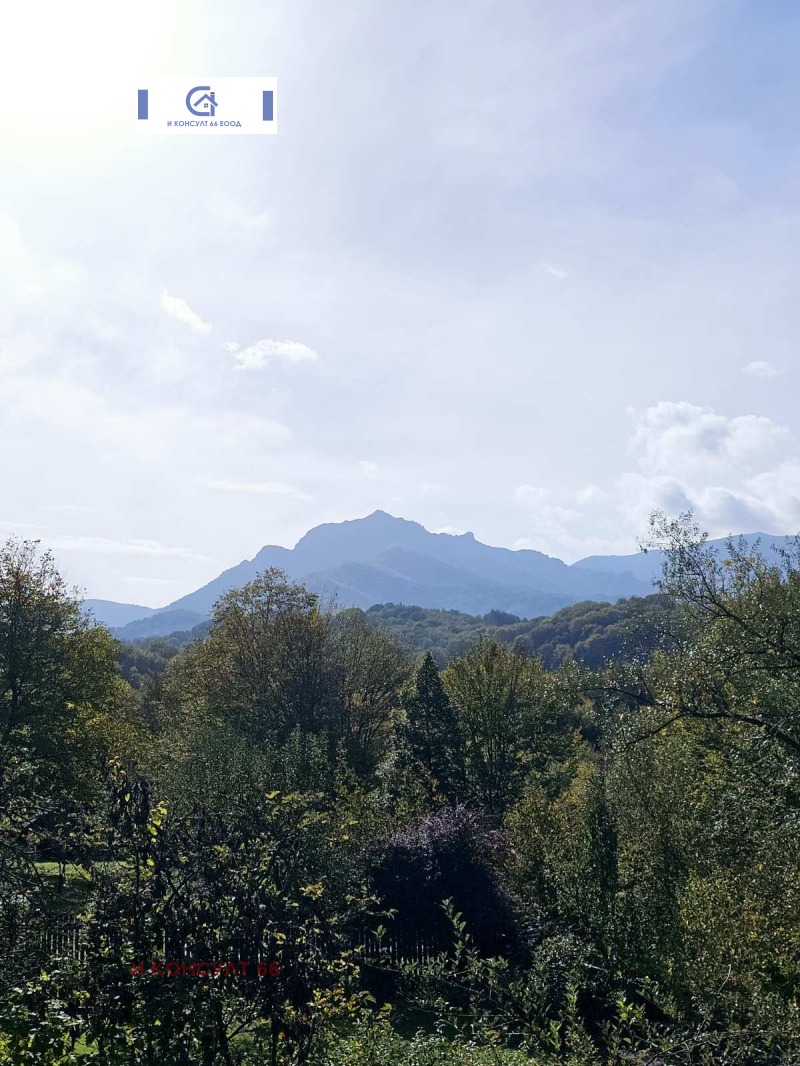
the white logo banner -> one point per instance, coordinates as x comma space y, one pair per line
207, 105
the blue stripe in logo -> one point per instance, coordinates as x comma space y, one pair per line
142, 103
267, 106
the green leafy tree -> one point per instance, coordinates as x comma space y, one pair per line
274, 663
262, 664
59, 685
506, 721
736, 660
372, 667
63, 710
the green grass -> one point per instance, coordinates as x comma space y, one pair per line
71, 871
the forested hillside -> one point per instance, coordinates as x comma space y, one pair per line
588, 632
403, 836
591, 633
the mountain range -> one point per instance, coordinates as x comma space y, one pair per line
383, 559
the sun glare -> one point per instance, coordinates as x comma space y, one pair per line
70, 68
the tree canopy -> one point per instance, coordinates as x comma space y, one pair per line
568, 840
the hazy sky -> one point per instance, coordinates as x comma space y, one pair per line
525, 268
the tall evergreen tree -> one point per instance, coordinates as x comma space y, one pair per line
431, 731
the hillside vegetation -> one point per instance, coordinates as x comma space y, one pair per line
402, 836
590, 633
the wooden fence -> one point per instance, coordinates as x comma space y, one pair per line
66, 941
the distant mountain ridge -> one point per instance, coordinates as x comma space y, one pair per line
646, 566
383, 559
117, 614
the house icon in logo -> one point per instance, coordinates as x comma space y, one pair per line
203, 105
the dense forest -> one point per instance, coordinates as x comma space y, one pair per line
590, 632
405, 836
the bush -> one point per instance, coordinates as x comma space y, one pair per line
448, 855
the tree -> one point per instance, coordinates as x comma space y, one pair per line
56, 667
275, 666
735, 658
63, 709
263, 666
273, 884
372, 667
431, 731
505, 720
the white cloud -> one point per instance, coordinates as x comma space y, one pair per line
761, 369
530, 494
107, 546
675, 437
735, 510
69, 508
542, 499
30, 282
525, 543
550, 520
25, 528
259, 488
240, 221
144, 434
367, 468
731, 471
557, 272
677, 284
263, 352
179, 309
784, 480
590, 494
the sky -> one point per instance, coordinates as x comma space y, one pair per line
527, 268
